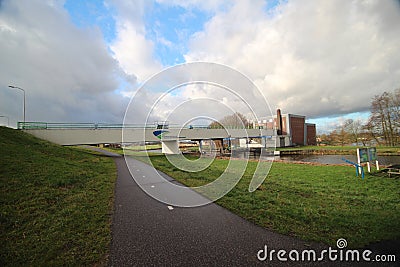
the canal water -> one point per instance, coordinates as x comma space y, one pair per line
336, 159
323, 159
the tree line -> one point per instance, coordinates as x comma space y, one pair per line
382, 127
236, 120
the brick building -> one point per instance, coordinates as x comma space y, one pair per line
311, 134
291, 129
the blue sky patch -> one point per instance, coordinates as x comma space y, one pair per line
92, 13
170, 28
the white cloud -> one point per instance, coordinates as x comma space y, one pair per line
133, 51
316, 58
67, 71
206, 5
200, 89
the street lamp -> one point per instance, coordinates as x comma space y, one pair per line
8, 120
16, 87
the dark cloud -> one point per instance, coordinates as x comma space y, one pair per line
68, 72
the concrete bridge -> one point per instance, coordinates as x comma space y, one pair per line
168, 135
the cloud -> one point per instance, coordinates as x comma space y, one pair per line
134, 52
320, 58
206, 5
315, 58
67, 72
186, 91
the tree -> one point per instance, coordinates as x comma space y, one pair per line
372, 131
337, 137
396, 112
354, 130
236, 120
342, 136
384, 122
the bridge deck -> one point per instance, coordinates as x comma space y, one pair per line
91, 133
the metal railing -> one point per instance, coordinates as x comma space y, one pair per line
57, 125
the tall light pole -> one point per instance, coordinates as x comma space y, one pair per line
8, 120
16, 87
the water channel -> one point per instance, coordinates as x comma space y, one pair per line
323, 159
336, 159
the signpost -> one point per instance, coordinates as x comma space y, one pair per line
367, 155
373, 157
362, 157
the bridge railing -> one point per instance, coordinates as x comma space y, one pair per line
56, 125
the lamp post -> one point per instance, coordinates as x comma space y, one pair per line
8, 120
19, 88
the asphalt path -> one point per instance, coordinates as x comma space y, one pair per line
146, 232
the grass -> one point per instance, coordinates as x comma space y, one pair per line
144, 147
317, 203
55, 203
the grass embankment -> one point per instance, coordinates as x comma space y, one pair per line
318, 203
55, 203
144, 147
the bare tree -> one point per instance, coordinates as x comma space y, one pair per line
236, 120
396, 113
342, 135
384, 122
354, 129
372, 132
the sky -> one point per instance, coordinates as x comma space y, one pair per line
82, 61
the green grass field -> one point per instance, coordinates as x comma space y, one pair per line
56, 203
144, 147
318, 203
